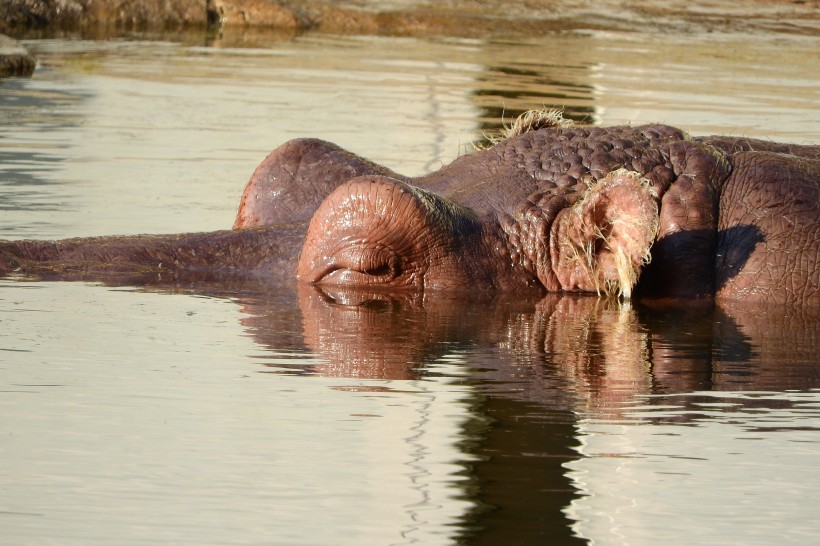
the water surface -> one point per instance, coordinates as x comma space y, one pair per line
233, 413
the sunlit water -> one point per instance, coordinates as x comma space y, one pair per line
232, 414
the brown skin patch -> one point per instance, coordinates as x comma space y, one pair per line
769, 230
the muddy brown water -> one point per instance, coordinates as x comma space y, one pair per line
233, 413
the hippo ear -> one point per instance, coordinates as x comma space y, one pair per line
602, 242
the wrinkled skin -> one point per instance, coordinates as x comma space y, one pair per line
645, 211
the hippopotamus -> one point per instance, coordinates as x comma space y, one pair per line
644, 211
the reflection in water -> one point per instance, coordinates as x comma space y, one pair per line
506, 92
544, 368
144, 418
487, 417
607, 352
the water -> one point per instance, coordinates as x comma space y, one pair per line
235, 414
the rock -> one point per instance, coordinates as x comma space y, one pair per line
25, 14
96, 14
15, 60
250, 13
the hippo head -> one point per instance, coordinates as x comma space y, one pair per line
376, 231
551, 206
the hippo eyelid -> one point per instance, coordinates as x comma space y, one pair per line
377, 261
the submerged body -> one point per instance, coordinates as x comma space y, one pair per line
640, 211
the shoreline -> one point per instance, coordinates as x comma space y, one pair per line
455, 18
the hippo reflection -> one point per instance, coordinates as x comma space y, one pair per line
562, 350
647, 211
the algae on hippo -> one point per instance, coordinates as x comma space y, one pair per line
644, 211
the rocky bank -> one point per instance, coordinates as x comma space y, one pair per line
15, 60
413, 17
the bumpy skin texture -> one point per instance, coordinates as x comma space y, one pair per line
555, 209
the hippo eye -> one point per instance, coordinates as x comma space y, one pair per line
359, 261
378, 262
